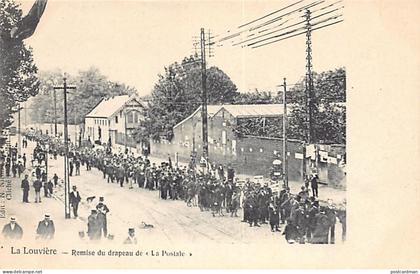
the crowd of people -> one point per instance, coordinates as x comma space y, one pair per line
214, 189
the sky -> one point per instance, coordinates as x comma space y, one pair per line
132, 41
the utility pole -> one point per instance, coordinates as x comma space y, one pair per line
75, 130
24, 113
66, 153
285, 162
19, 134
55, 113
125, 130
204, 96
309, 91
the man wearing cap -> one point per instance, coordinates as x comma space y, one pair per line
314, 185
46, 229
25, 187
102, 211
12, 230
331, 213
75, 200
131, 239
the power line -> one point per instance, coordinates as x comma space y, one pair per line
294, 30
271, 20
274, 28
288, 14
284, 28
294, 35
271, 13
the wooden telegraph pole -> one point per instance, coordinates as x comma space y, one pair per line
204, 96
285, 162
65, 87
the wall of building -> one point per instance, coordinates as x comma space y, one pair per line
252, 155
92, 126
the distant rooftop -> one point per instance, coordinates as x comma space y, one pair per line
259, 110
242, 111
107, 107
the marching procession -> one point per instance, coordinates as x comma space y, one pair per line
301, 217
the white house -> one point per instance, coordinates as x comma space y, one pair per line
113, 119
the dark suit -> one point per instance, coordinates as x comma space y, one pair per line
45, 229
94, 227
102, 211
15, 233
314, 186
74, 201
25, 187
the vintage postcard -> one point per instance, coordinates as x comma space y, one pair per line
209, 134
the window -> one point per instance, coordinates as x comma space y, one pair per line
116, 119
223, 137
120, 113
130, 117
136, 117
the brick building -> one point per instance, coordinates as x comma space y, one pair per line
251, 155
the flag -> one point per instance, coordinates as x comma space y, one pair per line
27, 26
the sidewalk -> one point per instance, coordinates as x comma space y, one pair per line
29, 214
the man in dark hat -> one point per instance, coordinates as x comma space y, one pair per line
314, 185
330, 211
320, 235
303, 194
230, 173
37, 187
75, 200
94, 229
12, 230
312, 213
25, 187
131, 239
55, 178
46, 229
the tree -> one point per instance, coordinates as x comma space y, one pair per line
329, 113
255, 97
177, 94
18, 73
91, 88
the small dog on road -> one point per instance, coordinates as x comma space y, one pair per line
146, 226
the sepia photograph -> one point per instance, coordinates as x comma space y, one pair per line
140, 132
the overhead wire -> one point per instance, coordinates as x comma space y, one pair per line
289, 26
294, 35
271, 13
294, 30
270, 21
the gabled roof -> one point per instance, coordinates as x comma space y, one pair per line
259, 110
108, 106
211, 110
242, 111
